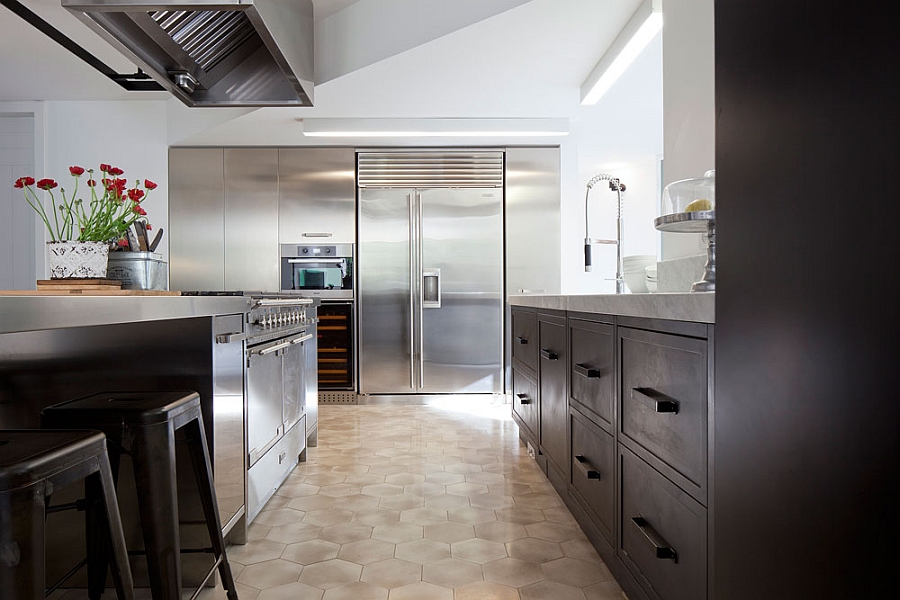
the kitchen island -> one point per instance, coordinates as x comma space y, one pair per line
613, 395
59, 347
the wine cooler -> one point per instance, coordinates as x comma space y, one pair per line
336, 352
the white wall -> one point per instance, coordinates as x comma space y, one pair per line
689, 100
129, 135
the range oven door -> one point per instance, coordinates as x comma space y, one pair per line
293, 370
265, 397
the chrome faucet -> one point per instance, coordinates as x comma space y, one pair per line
618, 187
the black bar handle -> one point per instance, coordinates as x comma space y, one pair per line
663, 549
521, 340
585, 468
523, 399
549, 354
587, 257
655, 400
586, 371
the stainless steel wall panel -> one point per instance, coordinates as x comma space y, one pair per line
384, 300
317, 195
251, 219
196, 219
462, 339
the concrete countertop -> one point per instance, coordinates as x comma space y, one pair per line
699, 307
33, 313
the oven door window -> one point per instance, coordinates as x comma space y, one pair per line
325, 274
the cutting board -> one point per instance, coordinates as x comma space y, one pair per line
101, 292
78, 284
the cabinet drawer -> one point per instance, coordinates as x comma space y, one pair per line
525, 339
664, 400
593, 350
525, 402
663, 533
554, 405
264, 477
593, 471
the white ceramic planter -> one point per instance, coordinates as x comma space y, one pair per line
77, 260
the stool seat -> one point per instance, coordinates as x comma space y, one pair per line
33, 465
143, 425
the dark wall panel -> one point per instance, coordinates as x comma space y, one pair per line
807, 409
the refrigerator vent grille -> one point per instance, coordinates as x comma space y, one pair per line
430, 169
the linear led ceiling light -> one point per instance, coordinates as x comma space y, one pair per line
642, 27
367, 128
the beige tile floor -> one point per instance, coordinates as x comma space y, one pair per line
434, 502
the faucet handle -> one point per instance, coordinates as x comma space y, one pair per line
598, 241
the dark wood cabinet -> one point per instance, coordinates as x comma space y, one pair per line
593, 472
593, 368
554, 402
525, 404
525, 340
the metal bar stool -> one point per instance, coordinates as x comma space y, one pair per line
33, 465
143, 425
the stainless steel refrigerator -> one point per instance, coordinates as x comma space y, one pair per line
430, 274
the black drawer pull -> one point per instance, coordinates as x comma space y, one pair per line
655, 400
521, 340
587, 371
549, 354
585, 468
663, 550
523, 399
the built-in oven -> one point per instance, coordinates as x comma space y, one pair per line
318, 271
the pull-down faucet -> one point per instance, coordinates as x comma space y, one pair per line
618, 187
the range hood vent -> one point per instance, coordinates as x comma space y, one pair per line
214, 52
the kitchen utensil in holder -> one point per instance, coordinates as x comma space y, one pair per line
690, 207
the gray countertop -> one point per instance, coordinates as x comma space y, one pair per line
33, 313
699, 307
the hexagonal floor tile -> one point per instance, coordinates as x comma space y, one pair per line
485, 478
356, 591
401, 502
491, 501
422, 551
445, 501
345, 533
452, 573
368, 551
534, 550
550, 589
539, 501
510, 489
580, 548
377, 516
382, 489
404, 478
608, 590
396, 534
421, 590
280, 516
308, 503
512, 572
520, 515
423, 516
356, 502
445, 478
255, 552
269, 574
449, 532
330, 573
339, 490
295, 532
486, 590
553, 532
290, 591
392, 573
324, 518
500, 531
311, 552
471, 516
478, 551
573, 571
323, 479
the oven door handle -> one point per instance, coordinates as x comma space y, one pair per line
270, 349
314, 261
301, 339
227, 338
282, 301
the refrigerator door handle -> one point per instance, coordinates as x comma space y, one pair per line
411, 264
431, 288
419, 282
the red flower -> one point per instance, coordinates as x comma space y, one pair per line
149, 184
105, 168
76, 171
91, 182
115, 171
123, 243
23, 181
148, 226
47, 184
135, 195
138, 210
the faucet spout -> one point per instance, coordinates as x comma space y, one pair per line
617, 186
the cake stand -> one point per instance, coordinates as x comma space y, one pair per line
701, 221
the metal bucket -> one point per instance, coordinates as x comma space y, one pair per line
138, 270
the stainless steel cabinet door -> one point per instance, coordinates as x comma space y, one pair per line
461, 288
385, 300
317, 195
264, 402
292, 378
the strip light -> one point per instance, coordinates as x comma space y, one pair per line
642, 27
419, 128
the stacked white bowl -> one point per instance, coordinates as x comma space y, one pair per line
634, 267
650, 275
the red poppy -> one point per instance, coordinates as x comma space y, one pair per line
135, 195
91, 182
138, 210
47, 184
123, 243
148, 226
115, 171
23, 181
76, 171
149, 184
104, 167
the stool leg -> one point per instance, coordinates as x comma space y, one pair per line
22, 543
203, 473
121, 569
153, 452
96, 535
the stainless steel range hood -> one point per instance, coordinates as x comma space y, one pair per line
214, 52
